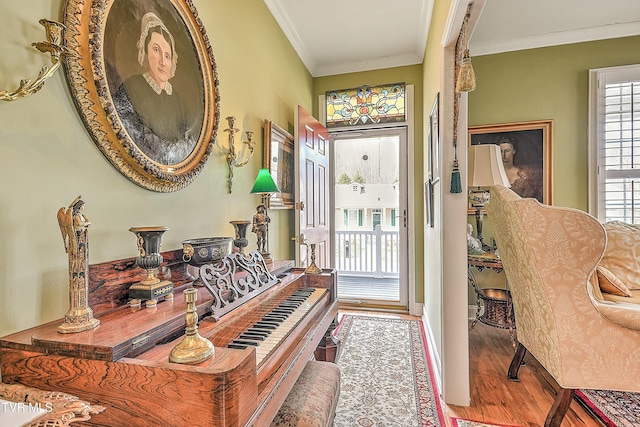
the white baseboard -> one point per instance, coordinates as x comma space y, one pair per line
416, 309
433, 355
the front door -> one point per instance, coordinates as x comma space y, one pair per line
312, 198
370, 205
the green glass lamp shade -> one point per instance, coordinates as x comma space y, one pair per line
264, 183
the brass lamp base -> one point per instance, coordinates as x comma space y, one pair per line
151, 292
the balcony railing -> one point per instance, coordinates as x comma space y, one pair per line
367, 253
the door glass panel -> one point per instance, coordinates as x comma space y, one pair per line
368, 247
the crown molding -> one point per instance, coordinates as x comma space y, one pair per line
289, 30
555, 39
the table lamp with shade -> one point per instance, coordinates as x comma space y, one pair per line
265, 186
485, 170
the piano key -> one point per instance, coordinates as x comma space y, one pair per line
253, 337
246, 342
274, 317
237, 346
268, 325
260, 330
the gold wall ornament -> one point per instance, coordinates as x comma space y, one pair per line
75, 234
193, 348
230, 151
54, 46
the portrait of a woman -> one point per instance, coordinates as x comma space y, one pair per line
143, 100
154, 79
525, 179
524, 150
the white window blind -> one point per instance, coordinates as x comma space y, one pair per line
618, 144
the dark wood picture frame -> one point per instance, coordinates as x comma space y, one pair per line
533, 154
279, 158
104, 40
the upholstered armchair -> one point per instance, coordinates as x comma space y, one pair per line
549, 256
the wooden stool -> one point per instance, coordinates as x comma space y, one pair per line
313, 399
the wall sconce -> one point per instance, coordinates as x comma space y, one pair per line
55, 46
230, 151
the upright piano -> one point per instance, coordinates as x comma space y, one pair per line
123, 364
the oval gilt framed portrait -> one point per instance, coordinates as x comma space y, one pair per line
144, 80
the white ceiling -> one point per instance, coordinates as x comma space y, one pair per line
343, 36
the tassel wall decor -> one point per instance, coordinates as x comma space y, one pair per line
456, 183
466, 77
465, 82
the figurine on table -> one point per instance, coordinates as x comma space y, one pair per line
74, 226
474, 246
260, 224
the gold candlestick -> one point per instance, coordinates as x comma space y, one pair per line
193, 348
313, 268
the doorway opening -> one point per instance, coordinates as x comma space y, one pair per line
370, 222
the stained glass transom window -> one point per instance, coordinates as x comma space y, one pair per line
366, 105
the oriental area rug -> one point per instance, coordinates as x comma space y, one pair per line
459, 422
386, 375
614, 408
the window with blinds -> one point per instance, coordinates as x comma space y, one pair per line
618, 144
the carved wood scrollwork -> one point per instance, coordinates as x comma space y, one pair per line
235, 280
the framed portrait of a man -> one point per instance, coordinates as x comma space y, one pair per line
525, 148
145, 82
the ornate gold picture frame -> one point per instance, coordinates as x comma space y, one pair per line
528, 162
279, 158
144, 80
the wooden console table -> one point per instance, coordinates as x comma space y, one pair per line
498, 308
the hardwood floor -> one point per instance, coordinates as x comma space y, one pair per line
495, 399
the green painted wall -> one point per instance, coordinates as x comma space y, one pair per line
410, 75
549, 83
542, 84
49, 158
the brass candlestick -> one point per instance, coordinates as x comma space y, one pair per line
313, 268
193, 348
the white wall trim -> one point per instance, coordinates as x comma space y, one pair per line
555, 39
434, 357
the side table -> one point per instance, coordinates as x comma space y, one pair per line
498, 307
